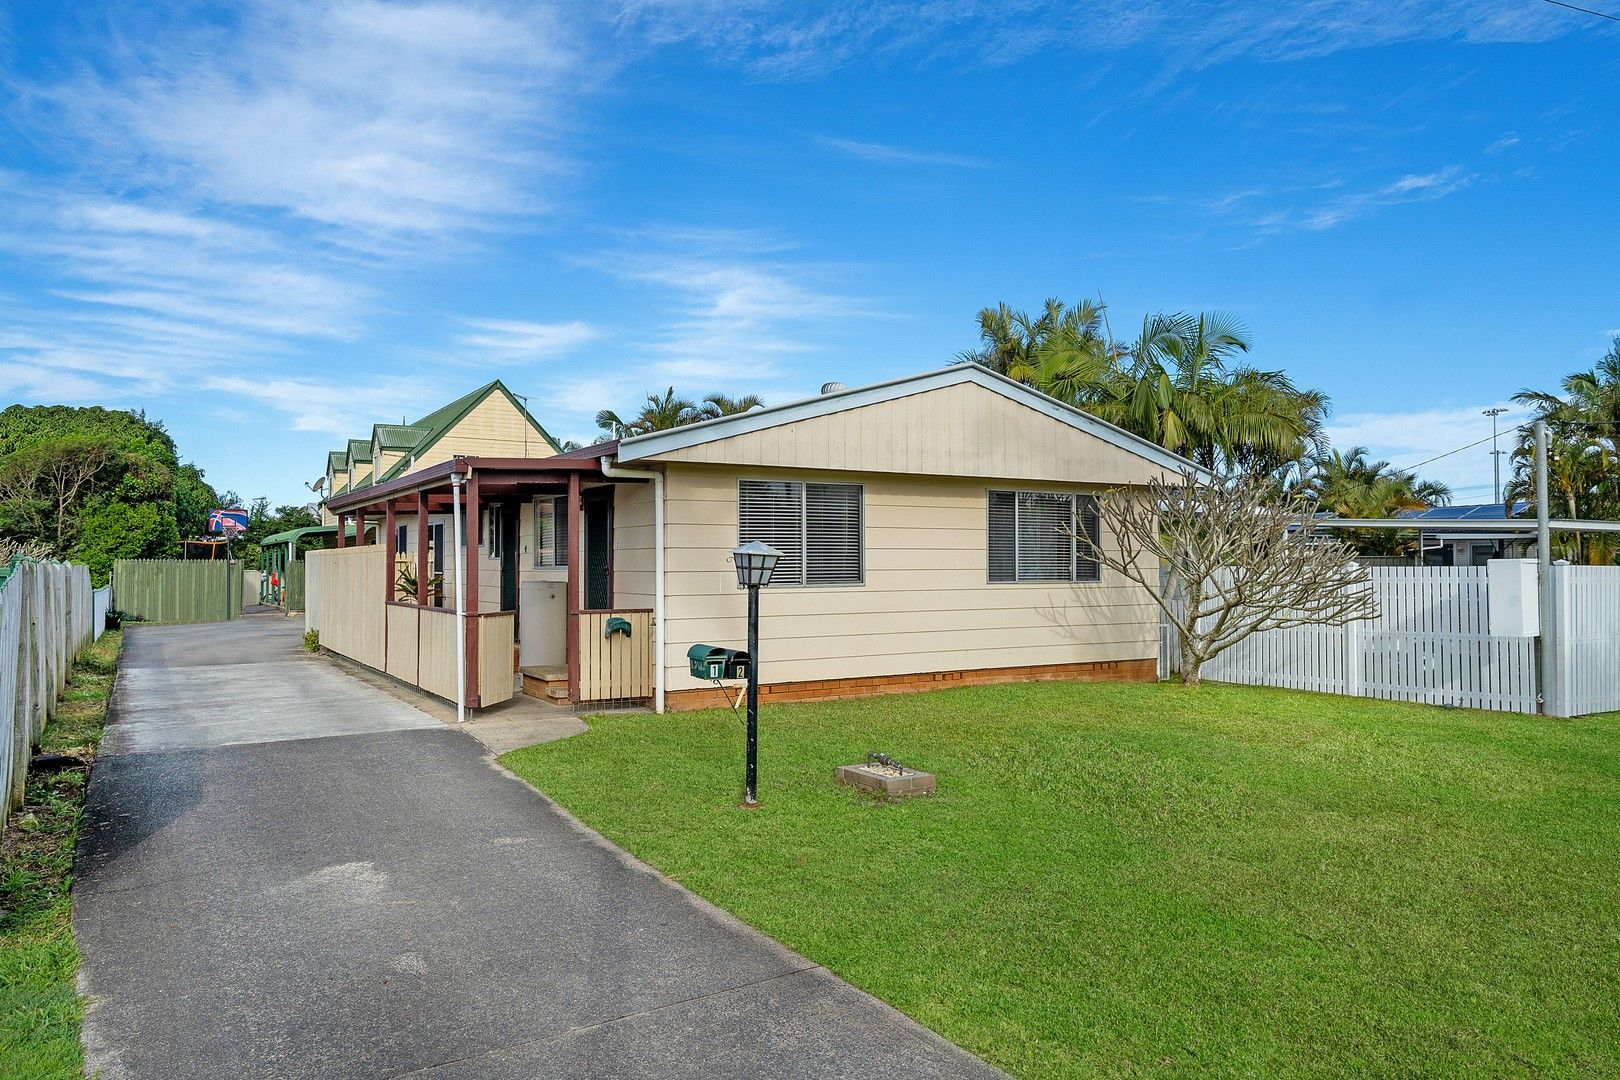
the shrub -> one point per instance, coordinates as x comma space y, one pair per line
312, 641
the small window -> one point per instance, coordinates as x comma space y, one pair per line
1032, 536
816, 527
551, 530
402, 539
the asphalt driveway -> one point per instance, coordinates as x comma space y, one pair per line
285, 872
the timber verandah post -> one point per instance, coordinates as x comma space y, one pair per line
571, 646
390, 546
342, 520
470, 588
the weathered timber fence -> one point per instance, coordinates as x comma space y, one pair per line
292, 586
167, 591
46, 613
1433, 642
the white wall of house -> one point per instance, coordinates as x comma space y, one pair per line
926, 604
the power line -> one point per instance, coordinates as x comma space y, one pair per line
1584, 11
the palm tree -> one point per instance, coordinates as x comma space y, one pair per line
719, 405
659, 413
1351, 485
1583, 458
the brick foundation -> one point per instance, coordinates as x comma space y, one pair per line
710, 697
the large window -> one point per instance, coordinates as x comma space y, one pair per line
816, 527
551, 530
1032, 536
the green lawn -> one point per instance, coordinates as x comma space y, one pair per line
1141, 880
39, 1004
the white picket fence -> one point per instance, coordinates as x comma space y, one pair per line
46, 610
1432, 643
1585, 640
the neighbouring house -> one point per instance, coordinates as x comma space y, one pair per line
1441, 546
489, 421
925, 524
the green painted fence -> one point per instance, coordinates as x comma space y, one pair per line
292, 594
168, 591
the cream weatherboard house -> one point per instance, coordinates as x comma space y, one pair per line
926, 524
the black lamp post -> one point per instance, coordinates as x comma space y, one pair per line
755, 561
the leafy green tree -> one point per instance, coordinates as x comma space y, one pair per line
96, 484
116, 530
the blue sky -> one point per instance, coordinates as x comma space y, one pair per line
271, 225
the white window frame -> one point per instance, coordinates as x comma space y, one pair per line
1075, 559
804, 532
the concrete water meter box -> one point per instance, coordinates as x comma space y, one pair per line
887, 778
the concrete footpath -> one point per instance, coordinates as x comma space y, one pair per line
286, 872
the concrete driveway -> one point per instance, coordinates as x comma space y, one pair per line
285, 872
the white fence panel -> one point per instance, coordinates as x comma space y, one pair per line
1586, 636
1430, 643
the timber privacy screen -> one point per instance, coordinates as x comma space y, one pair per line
167, 591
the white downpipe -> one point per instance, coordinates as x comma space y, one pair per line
461, 598
612, 470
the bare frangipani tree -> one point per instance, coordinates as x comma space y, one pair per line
1241, 560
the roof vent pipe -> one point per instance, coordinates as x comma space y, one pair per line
832, 387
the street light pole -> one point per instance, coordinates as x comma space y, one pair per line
755, 561
1496, 455
751, 769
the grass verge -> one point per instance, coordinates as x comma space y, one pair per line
40, 1007
1139, 880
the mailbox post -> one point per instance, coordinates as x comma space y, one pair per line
755, 562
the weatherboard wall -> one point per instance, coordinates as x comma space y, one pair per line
926, 604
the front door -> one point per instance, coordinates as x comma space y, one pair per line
597, 510
506, 520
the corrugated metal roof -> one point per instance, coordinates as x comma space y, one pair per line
398, 436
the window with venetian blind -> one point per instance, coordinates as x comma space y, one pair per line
551, 530
1032, 536
816, 527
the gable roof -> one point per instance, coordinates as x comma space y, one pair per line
725, 427
437, 423
336, 460
359, 450
397, 436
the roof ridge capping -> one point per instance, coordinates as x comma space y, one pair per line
722, 427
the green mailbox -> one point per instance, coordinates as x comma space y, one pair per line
713, 662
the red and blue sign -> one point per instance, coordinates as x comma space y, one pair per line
229, 522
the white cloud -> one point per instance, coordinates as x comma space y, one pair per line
781, 40
343, 409
287, 156
1407, 439
1511, 139
1323, 206
515, 341
369, 118
886, 154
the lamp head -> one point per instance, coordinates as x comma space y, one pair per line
755, 561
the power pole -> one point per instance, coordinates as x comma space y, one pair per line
1496, 455
1544, 642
